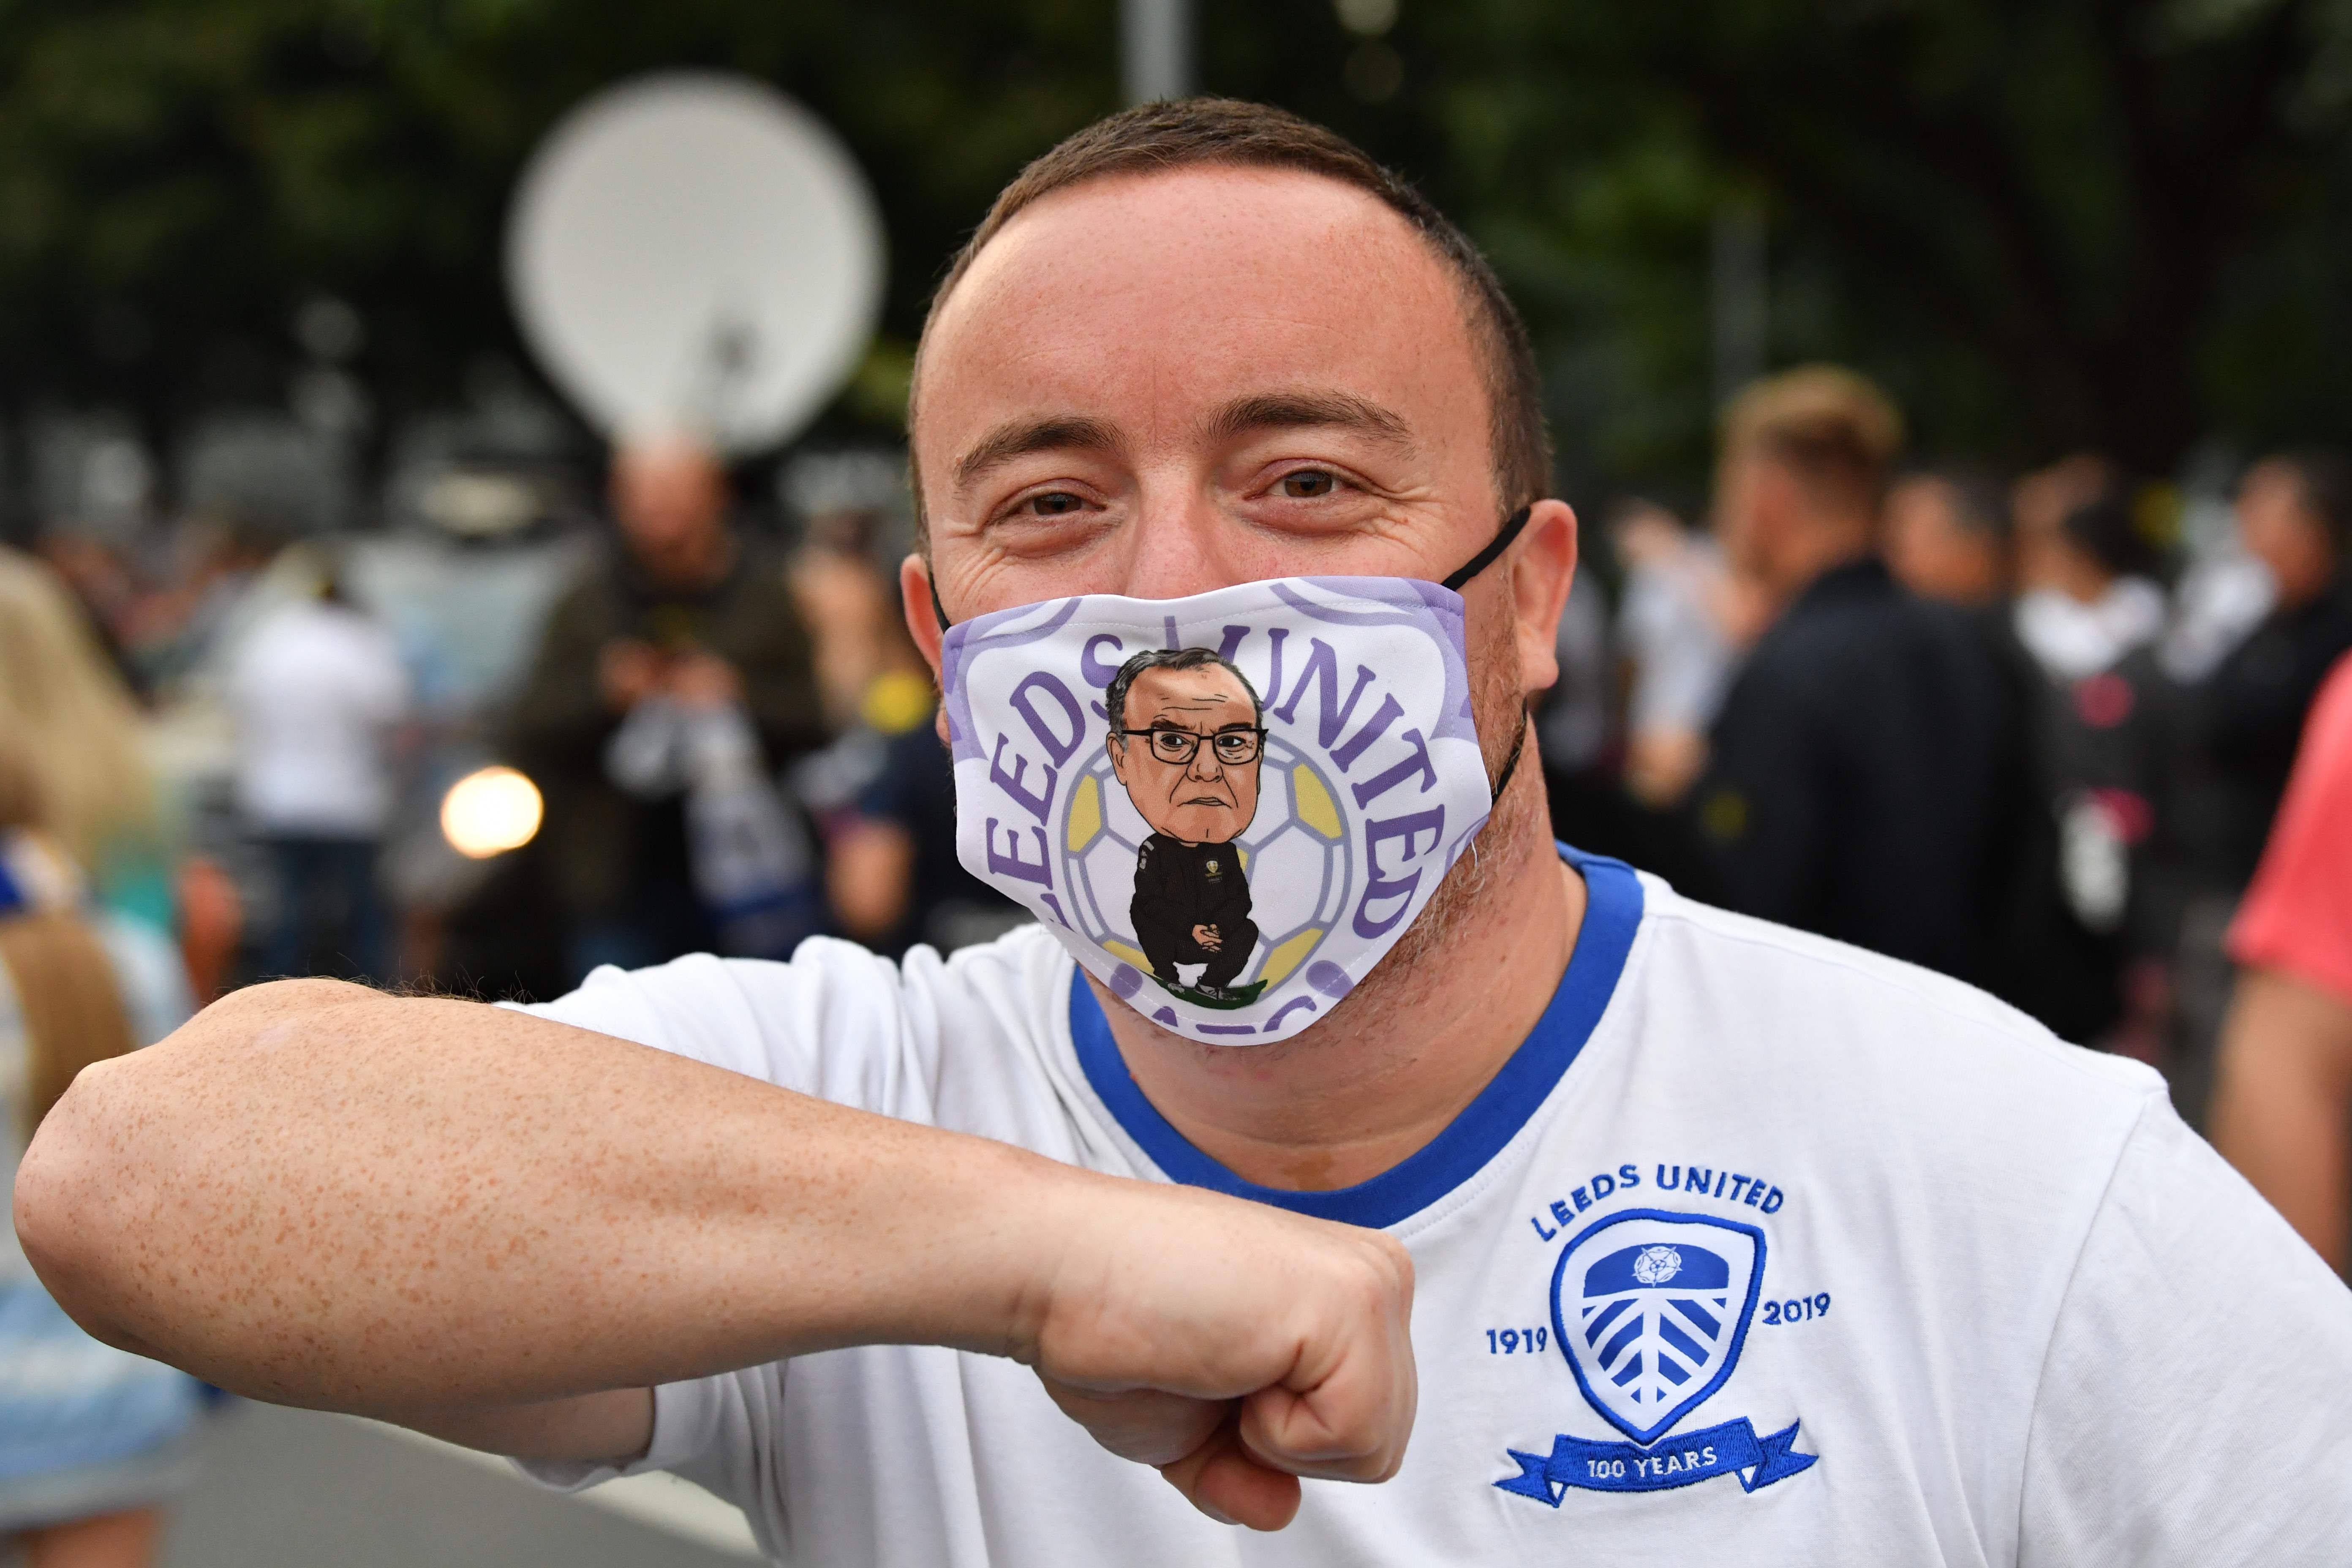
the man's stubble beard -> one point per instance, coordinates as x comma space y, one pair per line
1519, 825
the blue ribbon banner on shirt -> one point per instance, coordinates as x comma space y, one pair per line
1732, 1450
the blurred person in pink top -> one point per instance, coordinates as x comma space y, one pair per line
2283, 1105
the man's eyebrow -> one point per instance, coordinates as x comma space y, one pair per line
1295, 410
1007, 442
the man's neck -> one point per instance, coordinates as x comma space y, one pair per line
1412, 1046
1815, 552
693, 567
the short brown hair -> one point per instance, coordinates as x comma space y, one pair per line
1192, 131
1835, 429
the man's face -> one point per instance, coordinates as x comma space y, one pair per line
670, 496
1755, 498
1160, 385
1202, 801
1933, 552
2277, 526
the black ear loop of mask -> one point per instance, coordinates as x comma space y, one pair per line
1456, 580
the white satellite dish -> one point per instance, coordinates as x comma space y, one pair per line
692, 251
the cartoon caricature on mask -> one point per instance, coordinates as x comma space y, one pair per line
1186, 737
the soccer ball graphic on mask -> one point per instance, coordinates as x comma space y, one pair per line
1296, 855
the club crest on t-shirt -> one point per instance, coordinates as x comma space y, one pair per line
1652, 1310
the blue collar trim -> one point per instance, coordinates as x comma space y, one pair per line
1612, 913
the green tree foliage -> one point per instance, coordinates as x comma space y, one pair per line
2045, 223
177, 176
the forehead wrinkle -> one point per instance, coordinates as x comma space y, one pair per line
1020, 437
1309, 410
1197, 705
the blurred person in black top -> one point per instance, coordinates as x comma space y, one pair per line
2105, 739
2294, 514
1857, 780
687, 610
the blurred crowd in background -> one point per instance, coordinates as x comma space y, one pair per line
255, 723
2028, 729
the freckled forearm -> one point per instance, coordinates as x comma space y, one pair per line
377, 1205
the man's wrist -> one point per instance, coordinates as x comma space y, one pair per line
1011, 1225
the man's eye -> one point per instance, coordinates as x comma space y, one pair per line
1055, 503
1307, 483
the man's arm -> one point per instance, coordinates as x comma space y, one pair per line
2283, 1103
1232, 911
504, 1229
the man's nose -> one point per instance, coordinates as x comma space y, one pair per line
1205, 765
1182, 544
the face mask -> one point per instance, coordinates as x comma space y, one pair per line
1228, 807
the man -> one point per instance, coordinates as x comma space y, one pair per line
317, 691
1941, 1287
688, 612
1855, 781
1186, 742
2295, 515
1947, 537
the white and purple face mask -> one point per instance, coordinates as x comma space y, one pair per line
1229, 807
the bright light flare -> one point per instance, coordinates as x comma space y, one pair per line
490, 811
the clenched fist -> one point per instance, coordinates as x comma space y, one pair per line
1235, 1346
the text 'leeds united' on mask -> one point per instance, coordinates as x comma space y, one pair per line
1230, 806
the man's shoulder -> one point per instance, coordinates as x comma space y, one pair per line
1823, 1010
1862, 630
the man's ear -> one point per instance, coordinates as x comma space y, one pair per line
917, 603
1543, 568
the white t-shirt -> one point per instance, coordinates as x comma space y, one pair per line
1852, 1264
316, 689
2070, 639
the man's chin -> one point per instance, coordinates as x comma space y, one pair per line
1200, 824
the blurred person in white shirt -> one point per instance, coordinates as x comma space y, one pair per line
2088, 588
1672, 626
316, 692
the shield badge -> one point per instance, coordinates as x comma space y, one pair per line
1652, 1309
